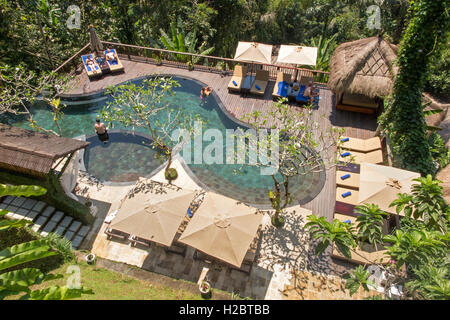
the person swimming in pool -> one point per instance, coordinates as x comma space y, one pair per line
102, 131
206, 91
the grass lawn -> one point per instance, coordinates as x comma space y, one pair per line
110, 285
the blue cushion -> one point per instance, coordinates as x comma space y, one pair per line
189, 212
346, 194
282, 88
235, 83
257, 87
345, 139
345, 176
345, 154
347, 221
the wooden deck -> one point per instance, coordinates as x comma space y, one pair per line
355, 124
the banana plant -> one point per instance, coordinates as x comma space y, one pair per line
19, 281
325, 49
182, 42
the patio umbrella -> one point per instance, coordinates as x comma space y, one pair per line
222, 228
253, 52
96, 44
381, 184
297, 55
153, 211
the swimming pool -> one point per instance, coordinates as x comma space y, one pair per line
126, 157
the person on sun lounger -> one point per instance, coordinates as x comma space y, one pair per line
206, 91
90, 62
110, 55
309, 92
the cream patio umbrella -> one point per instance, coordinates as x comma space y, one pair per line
222, 228
253, 52
153, 211
96, 44
381, 184
297, 55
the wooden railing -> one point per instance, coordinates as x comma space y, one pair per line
187, 60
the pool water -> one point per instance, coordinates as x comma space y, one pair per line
125, 157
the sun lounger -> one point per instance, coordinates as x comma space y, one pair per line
260, 84
344, 218
94, 71
280, 89
115, 65
375, 157
237, 79
347, 179
361, 145
347, 195
116, 234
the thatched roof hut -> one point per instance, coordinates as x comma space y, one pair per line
364, 67
33, 152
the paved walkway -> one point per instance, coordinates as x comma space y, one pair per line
280, 252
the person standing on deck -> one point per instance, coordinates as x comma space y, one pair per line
101, 131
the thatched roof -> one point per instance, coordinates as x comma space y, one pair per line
33, 151
363, 66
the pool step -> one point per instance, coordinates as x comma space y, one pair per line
45, 218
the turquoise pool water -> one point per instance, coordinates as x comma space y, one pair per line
125, 158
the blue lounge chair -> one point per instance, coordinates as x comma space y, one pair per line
114, 65
91, 71
280, 89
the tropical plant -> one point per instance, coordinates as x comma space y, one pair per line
439, 152
418, 250
181, 42
15, 281
404, 119
21, 88
145, 106
303, 148
425, 202
370, 223
354, 280
325, 49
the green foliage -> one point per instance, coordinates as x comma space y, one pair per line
181, 42
21, 190
370, 223
62, 245
359, 277
171, 174
426, 202
337, 232
431, 283
404, 120
418, 247
439, 152
439, 78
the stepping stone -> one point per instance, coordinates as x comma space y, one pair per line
83, 231
50, 226
39, 223
22, 212
48, 211
8, 199
60, 230
66, 222
32, 215
39, 206
69, 235
75, 226
3, 206
29, 204
12, 208
18, 201
77, 241
57, 216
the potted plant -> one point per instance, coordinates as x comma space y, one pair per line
88, 202
91, 258
205, 289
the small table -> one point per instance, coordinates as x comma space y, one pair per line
103, 64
